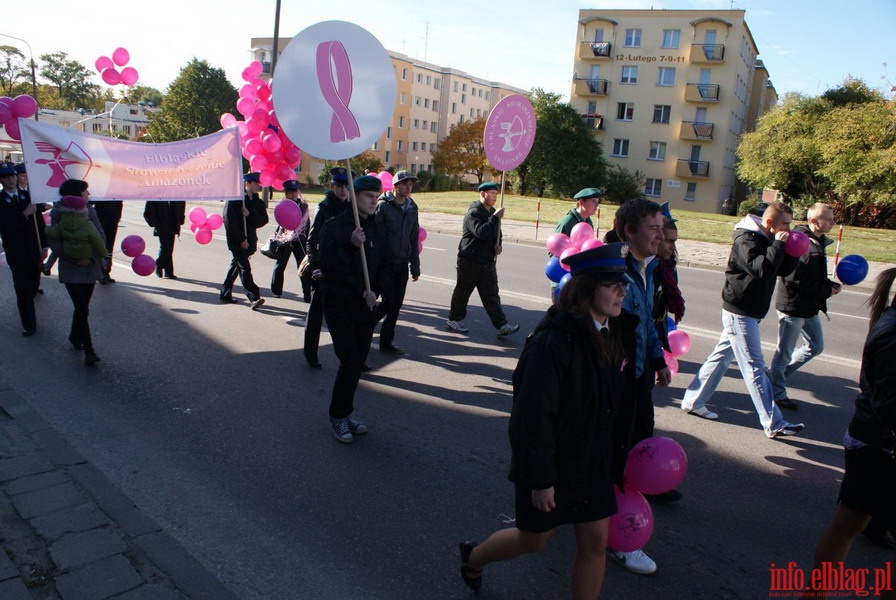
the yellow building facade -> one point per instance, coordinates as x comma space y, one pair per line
669, 93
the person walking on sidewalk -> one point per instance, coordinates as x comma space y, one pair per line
757, 257
566, 425
398, 229
801, 296
165, 218
242, 219
477, 253
294, 242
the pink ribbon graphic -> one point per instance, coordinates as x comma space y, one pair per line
337, 89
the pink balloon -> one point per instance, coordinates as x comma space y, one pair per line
671, 362
143, 265
592, 243
129, 76
252, 71
421, 234
632, 525
24, 106
271, 142
111, 76
386, 178
103, 63
12, 130
581, 233
568, 252
227, 120
288, 214
6, 113
133, 246
198, 216
557, 243
214, 221
267, 176
193, 227
679, 343
258, 162
264, 92
245, 106
203, 235
261, 117
292, 156
797, 244
283, 172
254, 146
121, 57
278, 184
248, 91
419, 247
655, 465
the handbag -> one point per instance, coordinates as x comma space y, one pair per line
274, 249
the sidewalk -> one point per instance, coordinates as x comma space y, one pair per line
69, 533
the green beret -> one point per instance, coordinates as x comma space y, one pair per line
488, 186
367, 183
588, 193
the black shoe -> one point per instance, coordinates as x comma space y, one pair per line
104, 281
90, 358
314, 364
28, 332
391, 349
227, 299
76, 344
159, 272
472, 577
787, 403
109, 280
47, 271
170, 276
665, 498
366, 368
256, 304
39, 292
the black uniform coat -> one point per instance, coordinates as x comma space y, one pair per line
237, 232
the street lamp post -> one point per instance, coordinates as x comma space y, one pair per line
33, 76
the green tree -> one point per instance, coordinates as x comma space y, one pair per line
193, 104
72, 81
143, 93
623, 185
462, 152
15, 73
565, 156
367, 160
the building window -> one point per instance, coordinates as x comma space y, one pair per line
404, 74
472, 111
419, 78
417, 123
472, 91
376, 145
403, 98
435, 105
413, 168
629, 75
463, 98
666, 76
388, 157
455, 86
428, 79
691, 192
426, 103
657, 151
486, 95
632, 38
400, 146
454, 108
670, 38
432, 148
437, 83
461, 118
463, 87
433, 127
625, 111
400, 122
620, 148
417, 100
661, 113
388, 133
654, 187
413, 146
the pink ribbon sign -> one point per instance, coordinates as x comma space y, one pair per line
334, 75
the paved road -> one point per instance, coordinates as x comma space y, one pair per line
207, 418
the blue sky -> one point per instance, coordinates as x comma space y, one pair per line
808, 45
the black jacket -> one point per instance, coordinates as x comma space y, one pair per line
806, 290
754, 263
398, 229
233, 223
567, 427
340, 260
23, 237
327, 208
481, 233
165, 217
874, 421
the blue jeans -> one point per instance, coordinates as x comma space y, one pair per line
786, 361
740, 340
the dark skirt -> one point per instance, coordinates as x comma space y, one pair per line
869, 485
596, 504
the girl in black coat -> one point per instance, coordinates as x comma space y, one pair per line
567, 432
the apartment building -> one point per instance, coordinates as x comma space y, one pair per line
430, 101
669, 93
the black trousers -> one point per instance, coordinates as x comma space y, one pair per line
25, 283
298, 251
351, 325
393, 283
313, 323
483, 277
240, 266
110, 230
80, 293
644, 422
165, 261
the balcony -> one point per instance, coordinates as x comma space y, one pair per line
592, 87
593, 121
693, 130
595, 50
691, 169
707, 53
701, 92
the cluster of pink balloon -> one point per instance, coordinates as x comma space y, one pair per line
142, 264
560, 245
654, 466
203, 224
264, 143
679, 344
111, 75
421, 237
12, 109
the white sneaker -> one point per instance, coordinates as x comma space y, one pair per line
635, 561
507, 329
457, 326
702, 412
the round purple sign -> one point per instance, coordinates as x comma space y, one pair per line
509, 132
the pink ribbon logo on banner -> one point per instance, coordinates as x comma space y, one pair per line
333, 63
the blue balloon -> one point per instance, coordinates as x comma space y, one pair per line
563, 280
852, 269
670, 323
554, 270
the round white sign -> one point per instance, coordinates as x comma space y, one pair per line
334, 90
